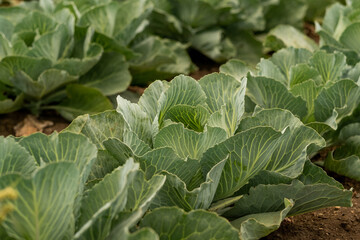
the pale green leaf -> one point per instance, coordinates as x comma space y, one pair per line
176, 193
349, 36
137, 119
188, 143
286, 58
48, 81
11, 65
77, 66
165, 159
345, 160
255, 226
103, 202
82, 100
290, 155
159, 59
110, 75
8, 105
269, 93
183, 90
175, 224
236, 68
330, 66
63, 147
101, 18
193, 118
340, 98
15, 159
247, 153
99, 127
53, 45
306, 197
49, 194
292, 37
268, 69
226, 100
149, 100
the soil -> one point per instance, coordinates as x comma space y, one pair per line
48, 122
204, 64
309, 30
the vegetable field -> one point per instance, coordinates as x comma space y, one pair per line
179, 119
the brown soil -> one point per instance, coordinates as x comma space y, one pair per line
9, 121
204, 64
309, 30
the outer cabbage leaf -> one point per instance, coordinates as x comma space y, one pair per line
187, 143
110, 75
345, 160
289, 12
310, 191
60, 148
246, 154
103, 202
175, 192
159, 59
82, 100
98, 127
8, 105
288, 36
41, 201
255, 226
193, 225
296, 142
15, 159
225, 98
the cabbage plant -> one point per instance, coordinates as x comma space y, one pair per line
184, 162
69, 55
38, 59
339, 30
319, 88
222, 30
214, 157
122, 28
218, 29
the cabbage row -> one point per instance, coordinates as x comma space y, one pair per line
225, 157
69, 55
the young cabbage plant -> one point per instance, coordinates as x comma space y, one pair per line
69, 55
214, 157
319, 88
339, 30
123, 29
209, 26
42, 53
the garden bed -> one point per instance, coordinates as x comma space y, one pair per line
329, 223
245, 153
